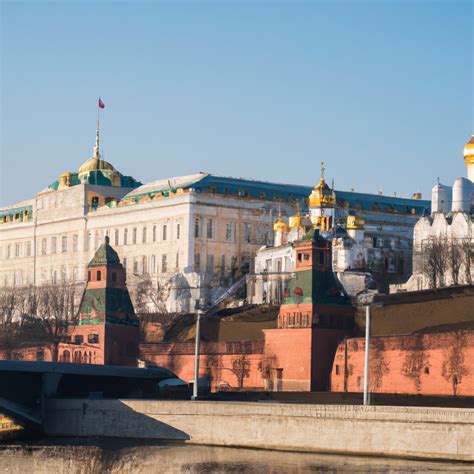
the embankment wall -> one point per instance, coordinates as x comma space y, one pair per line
431, 433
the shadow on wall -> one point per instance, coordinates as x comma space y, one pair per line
107, 418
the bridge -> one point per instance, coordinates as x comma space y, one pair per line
25, 385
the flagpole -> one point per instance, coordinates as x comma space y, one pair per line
98, 124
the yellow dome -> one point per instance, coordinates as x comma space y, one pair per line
66, 173
280, 225
469, 151
322, 195
95, 164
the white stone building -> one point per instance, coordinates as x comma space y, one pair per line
371, 239
448, 229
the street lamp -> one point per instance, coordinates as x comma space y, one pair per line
197, 343
367, 301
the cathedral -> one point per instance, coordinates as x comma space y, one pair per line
447, 232
192, 236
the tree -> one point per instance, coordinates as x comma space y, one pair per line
434, 260
467, 257
454, 368
56, 310
455, 259
241, 369
10, 300
152, 298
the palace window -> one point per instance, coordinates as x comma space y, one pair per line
17, 250
78, 339
99, 275
210, 263
75, 242
28, 249
64, 244
143, 269
164, 263
247, 233
165, 232
43, 247
53, 244
197, 262
197, 227
134, 236
116, 236
89, 276
135, 266
154, 233
178, 231
177, 260
93, 339
210, 228
152, 264
144, 235
125, 236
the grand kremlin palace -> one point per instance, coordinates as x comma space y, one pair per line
194, 235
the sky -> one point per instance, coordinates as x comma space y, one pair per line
382, 91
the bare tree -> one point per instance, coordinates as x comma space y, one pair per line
454, 367
9, 322
434, 260
455, 259
241, 369
57, 311
152, 298
466, 248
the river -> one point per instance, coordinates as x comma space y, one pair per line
127, 456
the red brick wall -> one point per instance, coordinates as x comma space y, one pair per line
427, 364
227, 366
288, 359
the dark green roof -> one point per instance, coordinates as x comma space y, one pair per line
105, 255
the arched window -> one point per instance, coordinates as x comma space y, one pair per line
99, 275
66, 356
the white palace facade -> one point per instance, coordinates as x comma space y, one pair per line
192, 235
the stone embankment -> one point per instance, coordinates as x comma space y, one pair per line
418, 432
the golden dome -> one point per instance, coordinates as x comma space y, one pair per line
280, 225
322, 195
469, 151
65, 174
95, 164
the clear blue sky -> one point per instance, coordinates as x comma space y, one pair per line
381, 90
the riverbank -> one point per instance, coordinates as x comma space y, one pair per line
90, 456
409, 432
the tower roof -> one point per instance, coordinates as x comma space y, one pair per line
105, 255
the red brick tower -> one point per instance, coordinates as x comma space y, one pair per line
315, 316
107, 331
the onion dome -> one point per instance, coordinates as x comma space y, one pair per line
469, 152
322, 195
295, 221
280, 225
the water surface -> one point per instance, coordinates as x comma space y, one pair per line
127, 456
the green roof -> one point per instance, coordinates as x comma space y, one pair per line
105, 255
